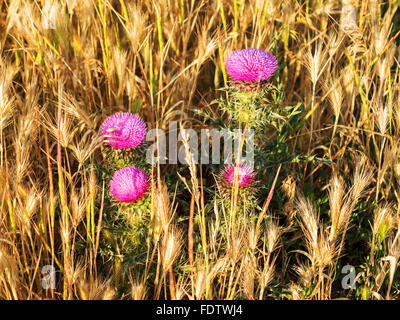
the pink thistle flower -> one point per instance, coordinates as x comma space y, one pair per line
251, 65
245, 175
128, 184
123, 130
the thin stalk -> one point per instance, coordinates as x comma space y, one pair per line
190, 231
171, 283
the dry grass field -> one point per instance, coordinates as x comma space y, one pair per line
320, 221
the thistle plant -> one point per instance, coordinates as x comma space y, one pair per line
124, 134
248, 104
249, 69
246, 187
125, 171
253, 100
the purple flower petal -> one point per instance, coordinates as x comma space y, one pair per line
123, 130
245, 177
251, 65
128, 184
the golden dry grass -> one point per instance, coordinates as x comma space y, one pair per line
163, 60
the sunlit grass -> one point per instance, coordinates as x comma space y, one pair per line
334, 203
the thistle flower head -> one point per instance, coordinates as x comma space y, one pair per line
251, 65
123, 130
245, 175
128, 184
